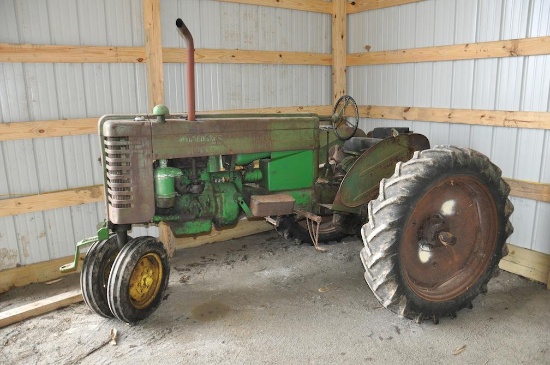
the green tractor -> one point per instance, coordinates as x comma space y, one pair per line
434, 221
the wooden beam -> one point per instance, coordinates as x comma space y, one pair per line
53, 200
39, 307
339, 48
70, 54
49, 128
529, 190
177, 55
243, 228
527, 263
35, 273
508, 48
358, 6
494, 118
317, 6
49, 270
29, 53
153, 52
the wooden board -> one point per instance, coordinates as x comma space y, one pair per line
243, 228
49, 270
34, 273
494, 118
177, 55
527, 263
29, 53
47, 128
317, 6
153, 52
339, 48
39, 307
508, 48
358, 6
529, 190
53, 200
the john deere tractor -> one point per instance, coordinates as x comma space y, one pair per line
434, 221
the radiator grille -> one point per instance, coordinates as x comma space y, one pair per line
118, 172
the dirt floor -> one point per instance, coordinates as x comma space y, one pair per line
264, 300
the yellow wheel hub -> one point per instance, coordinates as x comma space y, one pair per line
145, 280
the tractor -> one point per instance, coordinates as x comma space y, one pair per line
434, 221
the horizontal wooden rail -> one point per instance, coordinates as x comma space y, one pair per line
316, 6
47, 128
508, 48
494, 118
30, 53
94, 194
177, 55
529, 190
53, 200
75, 127
358, 6
527, 263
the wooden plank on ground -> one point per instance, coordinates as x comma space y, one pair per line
317, 6
339, 48
494, 118
53, 200
177, 55
529, 190
47, 128
34, 273
527, 263
39, 307
243, 228
507, 48
358, 6
153, 52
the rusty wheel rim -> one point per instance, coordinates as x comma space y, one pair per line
459, 206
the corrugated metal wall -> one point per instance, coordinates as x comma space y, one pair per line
55, 91
513, 83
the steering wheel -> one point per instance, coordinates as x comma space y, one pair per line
345, 117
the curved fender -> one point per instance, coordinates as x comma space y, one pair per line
360, 185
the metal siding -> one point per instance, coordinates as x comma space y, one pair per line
54, 91
515, 83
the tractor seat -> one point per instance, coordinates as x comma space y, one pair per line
359, 144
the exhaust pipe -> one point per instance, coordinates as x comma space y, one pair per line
190, 69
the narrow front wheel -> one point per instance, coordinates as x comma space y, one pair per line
138, 279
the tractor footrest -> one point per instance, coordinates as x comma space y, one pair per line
267, 205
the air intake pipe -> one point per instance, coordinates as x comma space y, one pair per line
190, 69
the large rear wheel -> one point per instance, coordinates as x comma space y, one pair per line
436, 233
138, 279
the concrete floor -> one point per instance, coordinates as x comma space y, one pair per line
264, 300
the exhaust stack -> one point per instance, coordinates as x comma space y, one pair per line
190, 69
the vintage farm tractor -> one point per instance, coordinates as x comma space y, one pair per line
434, 221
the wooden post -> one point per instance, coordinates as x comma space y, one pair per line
339, 48
153, 52
166, 236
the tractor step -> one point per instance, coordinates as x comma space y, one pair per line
271, 205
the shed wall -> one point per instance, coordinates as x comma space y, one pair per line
47, 91
513, 83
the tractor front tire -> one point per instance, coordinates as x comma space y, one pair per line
436, 233
138, 279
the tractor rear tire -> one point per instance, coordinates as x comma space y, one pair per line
436, 233
138, 279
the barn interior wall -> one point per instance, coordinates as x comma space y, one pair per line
52, 91
514, 83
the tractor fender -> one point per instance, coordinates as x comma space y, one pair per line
360, 185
